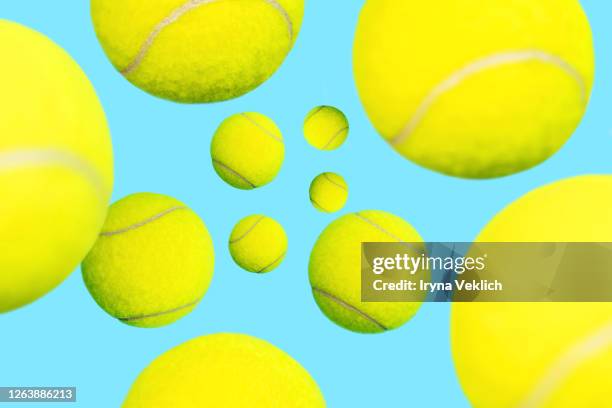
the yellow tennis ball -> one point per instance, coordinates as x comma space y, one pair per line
326, 128
225, 370
540, 354
335, 271
196, 51
56, 165
152, 263
258, 244
329, 192
474, 88
248, 150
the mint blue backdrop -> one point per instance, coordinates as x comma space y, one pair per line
66, 339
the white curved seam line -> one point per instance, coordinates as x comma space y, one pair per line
262, 270
350, 307
247, 232
313, 114
334, 137
45, 157
476, 67
165, 312
234, 172
326, 175
142, 223
176, 15
387, 232
564, 366
316, 204
266, 131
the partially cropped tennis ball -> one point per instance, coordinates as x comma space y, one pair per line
326, 128
225, 370
153, 261
56, 165
335, 271
540, 354
329, 192
258, 244
197, 51
248, 150
474, 88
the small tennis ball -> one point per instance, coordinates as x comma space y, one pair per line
335, 271
56, 165
152, 263
197, 51
328, 192
326, 128
248, 150
474, 89
258, 244
540, 354
225, 370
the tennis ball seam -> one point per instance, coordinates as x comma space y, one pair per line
558, 372
234, 172
476, 67
280, 257
262, 128
17, 159
142, 223
326, 175
349, 307
248, 231
162, 313
179, 12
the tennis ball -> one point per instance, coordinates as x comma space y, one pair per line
258, 244
152, 263
196, 51
326, 128
56, 165
474, 88
247, 150
328, 192
225, 370
540, 354
335, 271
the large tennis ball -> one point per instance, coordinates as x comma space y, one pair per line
335, 271
225, 370
56, 165
247, 150
152, 263
258, 244
197, 50
474, 88
540, 354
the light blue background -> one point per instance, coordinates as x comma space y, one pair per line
65, 339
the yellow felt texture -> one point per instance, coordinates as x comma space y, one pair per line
514, 348
474, 88
225, 370
247, 150
326, 128
56, 165
197, 50
152, 263
258, 244
335, 271
329, 192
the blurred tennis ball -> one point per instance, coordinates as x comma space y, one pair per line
540, 354
474, 89
248, 150
225, 370
152, 263
196, 51
56, 165
258, 244
326, 128
329, 192
335, 271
